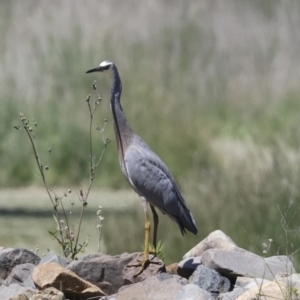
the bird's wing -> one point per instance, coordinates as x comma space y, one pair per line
152, 180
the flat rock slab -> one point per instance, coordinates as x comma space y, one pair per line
10, 257
54, 275
215, 240
155, 267
235, 263
163, 286
103, 270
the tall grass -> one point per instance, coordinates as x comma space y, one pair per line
213, 88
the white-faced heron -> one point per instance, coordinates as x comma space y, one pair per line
144, 170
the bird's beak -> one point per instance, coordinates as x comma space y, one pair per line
98, 69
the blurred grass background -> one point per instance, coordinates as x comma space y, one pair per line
212, 86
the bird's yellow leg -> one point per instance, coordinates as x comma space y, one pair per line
155, 221
146, 261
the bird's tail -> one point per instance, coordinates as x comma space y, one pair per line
187, 221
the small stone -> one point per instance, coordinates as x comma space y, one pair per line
172, 268
216, 240
210, 281
49, 294
152, 269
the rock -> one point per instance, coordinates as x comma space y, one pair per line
268, 291
110, 297
49, 294
159, 287
216, 240
172, 268
256, 282
281, 263
21, 274
210, 281
54, 275
193, 292
51, 256
232, 295
152, 269
8, 292
234, 263
243, 281
103, 270
187, 266
291, 281
9, 258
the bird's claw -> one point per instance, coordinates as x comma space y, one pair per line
143, 264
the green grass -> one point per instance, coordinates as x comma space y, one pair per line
212, 88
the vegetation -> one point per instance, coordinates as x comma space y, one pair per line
213, 88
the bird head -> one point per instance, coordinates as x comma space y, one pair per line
105, 66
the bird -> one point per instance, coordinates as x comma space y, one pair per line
145, 172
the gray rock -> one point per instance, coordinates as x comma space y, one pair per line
232, 295
210, 281
9, 258
103, 270
95, 255
155, 267
244, 263
51, 256
21, 274
8, 292
281, 264
49, 293
193, 292
216, 240
161, 286
187, 266
243, 281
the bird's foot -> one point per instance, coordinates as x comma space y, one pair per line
143, 264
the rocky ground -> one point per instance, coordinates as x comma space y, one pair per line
216, 268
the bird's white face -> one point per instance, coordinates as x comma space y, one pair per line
105, 65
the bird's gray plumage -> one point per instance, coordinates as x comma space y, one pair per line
142, 168
151, 179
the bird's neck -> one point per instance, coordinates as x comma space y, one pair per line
123, 131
